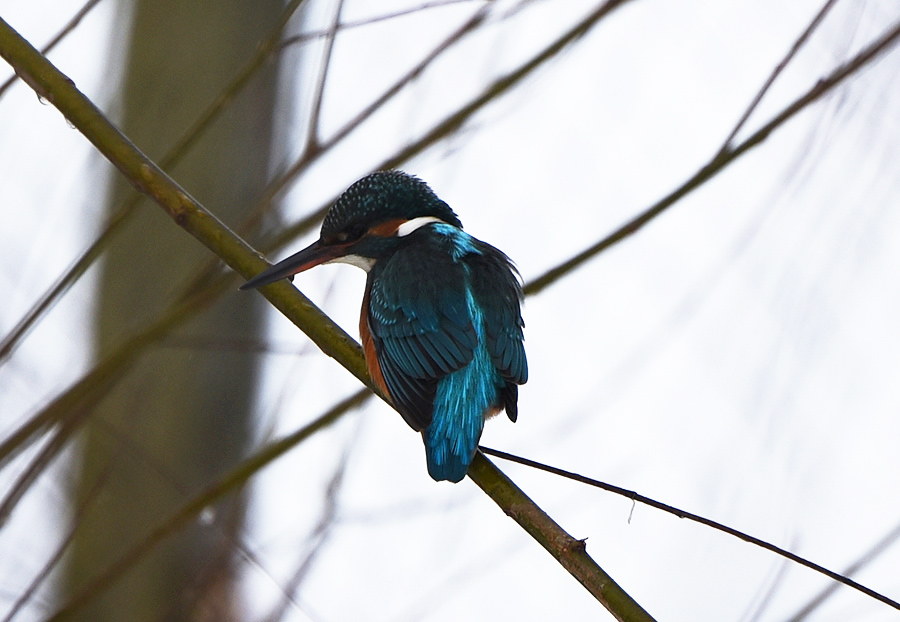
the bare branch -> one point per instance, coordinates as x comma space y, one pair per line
722, 159
227, 485
39, 73
123, 214
312, 135
69, 27
630, 494
869, 556
801, 40
309, 36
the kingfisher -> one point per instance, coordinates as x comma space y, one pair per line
441, 323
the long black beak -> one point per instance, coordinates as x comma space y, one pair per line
311, 256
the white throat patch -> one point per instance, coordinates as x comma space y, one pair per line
359, 261
416, 223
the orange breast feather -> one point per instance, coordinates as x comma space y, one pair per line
369, 347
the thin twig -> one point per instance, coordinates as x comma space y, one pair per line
318, 34
57, 555
630, 494
227, 485
801, 40
864, 560
49, 298
721, 160
312, 132
318, 539
123, 214
73, 403
505, 83
69, 27
442, 128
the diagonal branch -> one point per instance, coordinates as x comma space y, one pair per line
71, 25
227, 485
312, 132
799, 43
839, 578
722, 159
317, 34
147, 177
125, 212
443, 128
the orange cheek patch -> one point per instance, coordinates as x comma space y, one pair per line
387, 229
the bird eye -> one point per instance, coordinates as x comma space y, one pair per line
351, 233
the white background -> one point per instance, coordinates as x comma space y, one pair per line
737, 358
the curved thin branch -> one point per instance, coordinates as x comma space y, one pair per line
630, 494
319, 34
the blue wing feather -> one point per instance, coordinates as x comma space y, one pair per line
421, 328
496, 287
444, 316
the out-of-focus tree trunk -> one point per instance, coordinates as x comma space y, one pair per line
181, 416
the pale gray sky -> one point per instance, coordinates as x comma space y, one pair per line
736, 358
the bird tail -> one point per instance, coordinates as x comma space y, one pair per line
449, 449
462, 400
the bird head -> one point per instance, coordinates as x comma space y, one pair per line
367, 222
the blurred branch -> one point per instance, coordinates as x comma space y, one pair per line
47, 569
443, 128
147, 177
868, 557
308, 36
312, 132
227, 485
504, 84
757, 610
123, 215
48, 299
69, 409
722, 159
801, 40
319, 537
69, 27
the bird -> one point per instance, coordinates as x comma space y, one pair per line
441, 323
